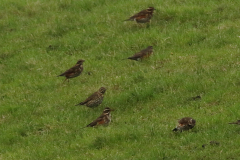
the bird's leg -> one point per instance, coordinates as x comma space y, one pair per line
148, 24
64, 80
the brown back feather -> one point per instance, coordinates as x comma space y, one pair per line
95, 122
95, 94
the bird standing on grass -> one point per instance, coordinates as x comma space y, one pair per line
104, 119
74, 71
237, 122
145, 53
142, 16
95, 99
185, 123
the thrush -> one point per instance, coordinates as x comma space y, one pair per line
196, 98
142, 16
104, 119
95, 99
185, 123
145, 53
216, 143
74, 71
237, 122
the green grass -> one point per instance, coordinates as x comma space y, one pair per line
196, 52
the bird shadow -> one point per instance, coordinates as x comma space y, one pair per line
135, 27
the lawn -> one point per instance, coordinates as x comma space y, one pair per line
196, 53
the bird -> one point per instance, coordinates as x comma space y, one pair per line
216, 143
196, 98
74, 71
237, 122
95, 99
145, 53
103, 119
185, 123
142, 16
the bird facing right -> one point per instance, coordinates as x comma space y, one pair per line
95, 99
73, 71
185, 123
237, 122
142, 16
103, 119
145, 53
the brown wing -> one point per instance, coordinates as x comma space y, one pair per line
147, 50
137, 56
187, 122
139, 18
71, 71
237, 122
141, 14
99, 120
93, 96
143, 53
184, 121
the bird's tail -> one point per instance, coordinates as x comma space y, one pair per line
89, 125
61, 75
175, 129
129, 19
232, 123
79, 104
204, 145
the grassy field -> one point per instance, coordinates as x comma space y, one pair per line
196, 52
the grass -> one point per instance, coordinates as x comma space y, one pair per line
196, 52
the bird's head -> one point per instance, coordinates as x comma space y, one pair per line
102, 90
80, 61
